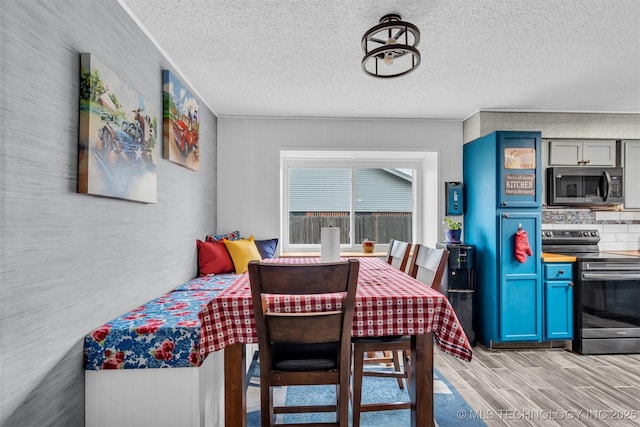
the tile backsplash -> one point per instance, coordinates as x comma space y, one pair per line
618, 230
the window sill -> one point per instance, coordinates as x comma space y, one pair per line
342, 254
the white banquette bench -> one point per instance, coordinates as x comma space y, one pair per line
143, 368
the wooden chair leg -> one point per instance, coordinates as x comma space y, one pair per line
396, 367
358, 368
407, 365
266, 406
342, 392
388, 354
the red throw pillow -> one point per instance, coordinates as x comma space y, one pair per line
213, 258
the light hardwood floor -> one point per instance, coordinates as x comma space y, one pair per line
551, 387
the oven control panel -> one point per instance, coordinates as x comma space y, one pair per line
570, 236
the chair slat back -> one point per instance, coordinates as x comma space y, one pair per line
429, 265
398, 254
303, 279
307, 330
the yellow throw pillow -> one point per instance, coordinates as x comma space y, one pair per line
242, 251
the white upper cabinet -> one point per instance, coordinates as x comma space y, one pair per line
631, 151
580, 152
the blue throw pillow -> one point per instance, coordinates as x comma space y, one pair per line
267, 248
234, 235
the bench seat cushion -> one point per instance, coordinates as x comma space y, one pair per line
163, 333
211, 282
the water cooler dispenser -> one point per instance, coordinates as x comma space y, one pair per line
459, 283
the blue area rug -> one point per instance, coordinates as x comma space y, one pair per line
451, 410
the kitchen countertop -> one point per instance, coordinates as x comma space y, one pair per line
546, 257
631, 253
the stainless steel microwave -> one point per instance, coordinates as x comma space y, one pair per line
584, 186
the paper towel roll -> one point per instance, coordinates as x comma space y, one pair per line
330, 244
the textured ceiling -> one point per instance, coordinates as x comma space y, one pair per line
302, 58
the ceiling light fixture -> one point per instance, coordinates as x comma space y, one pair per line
392, 42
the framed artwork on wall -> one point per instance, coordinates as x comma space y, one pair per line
117, 149
181, 123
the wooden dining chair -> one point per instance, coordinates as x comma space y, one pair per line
385, 350
428, 266
397, 256
309, 347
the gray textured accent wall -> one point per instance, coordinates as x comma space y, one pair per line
70, 262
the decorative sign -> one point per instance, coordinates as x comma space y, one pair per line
520, 184
520, 158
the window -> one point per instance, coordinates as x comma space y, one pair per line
372, 196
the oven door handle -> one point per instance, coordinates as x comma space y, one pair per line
632, 275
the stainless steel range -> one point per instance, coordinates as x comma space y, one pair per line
606, 293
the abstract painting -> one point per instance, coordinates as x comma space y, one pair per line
117, 153
181, 123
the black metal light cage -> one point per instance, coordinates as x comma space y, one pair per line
389, 24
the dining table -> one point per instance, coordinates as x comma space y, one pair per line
388, 302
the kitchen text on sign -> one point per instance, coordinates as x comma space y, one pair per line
520, 184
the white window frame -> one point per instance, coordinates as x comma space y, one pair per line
423, 164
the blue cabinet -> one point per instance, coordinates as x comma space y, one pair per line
503, 192
520, 298
558, 301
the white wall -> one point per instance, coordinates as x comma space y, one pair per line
70, 262
248, 153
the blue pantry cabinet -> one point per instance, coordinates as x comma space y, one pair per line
503, 194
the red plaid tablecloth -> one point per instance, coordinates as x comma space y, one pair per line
388, 302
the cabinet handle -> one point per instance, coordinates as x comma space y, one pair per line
571, 284
505, 215
586, 162
560, 271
